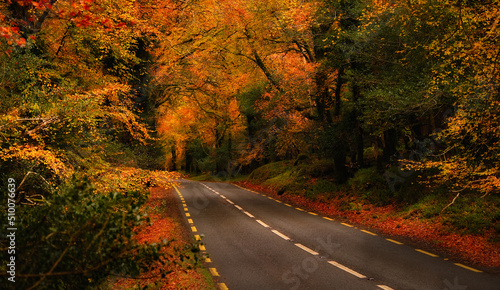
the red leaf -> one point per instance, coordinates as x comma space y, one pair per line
21, 42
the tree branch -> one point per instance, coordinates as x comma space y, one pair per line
453, 201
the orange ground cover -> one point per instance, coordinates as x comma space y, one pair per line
475, 250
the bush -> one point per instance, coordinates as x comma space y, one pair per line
473, 215
269, 171
77, 237
370, 184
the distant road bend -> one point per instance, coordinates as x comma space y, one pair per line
256, 242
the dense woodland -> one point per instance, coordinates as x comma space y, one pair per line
96, 95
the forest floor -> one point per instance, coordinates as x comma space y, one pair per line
182, 270
478, 251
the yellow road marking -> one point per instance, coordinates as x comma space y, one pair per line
288, 204
299, 209
193, 228
197, 237
384, 287
188, 214
347, 225
223, 286
370, 233
202, 248
427, 253
327, 218
214, 272
468, 268
393, 241
186, 209
313, 213
190, 221
208, 260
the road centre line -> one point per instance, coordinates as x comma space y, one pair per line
307, 249
340, 266
350, 271
384, 287
281, 235
262, 223
248, 214
310, 251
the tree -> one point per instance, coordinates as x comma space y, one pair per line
68, 113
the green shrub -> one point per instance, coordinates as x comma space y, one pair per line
77, 237
471, 214
268, 171
370, 184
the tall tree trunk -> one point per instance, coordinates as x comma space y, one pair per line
358, 131
323, 98
189, 160
340, 160
360, 147
338, 91
390, 144
174, 158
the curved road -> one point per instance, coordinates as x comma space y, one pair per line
256, 242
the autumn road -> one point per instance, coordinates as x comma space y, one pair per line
255, 242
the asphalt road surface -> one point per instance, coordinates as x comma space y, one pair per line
256, 242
